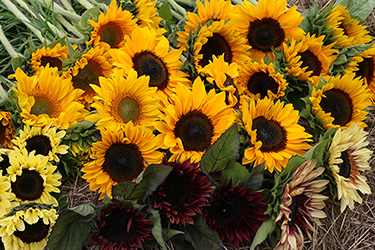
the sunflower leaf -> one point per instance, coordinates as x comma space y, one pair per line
264, 230
256, 177
156, 229
84, 209
360, 9
222, 151
234, 171
165, 11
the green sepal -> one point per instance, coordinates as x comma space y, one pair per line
25, 206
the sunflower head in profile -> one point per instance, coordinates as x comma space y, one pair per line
7, 131
260, 80
235, 213
27, 229
119, 226
348, 158
47, 99
301, 202
52, 56
121, 100
341, 102
183, 193
6, 197
120, 157
111, 28
193, 121
275, 135
268, 25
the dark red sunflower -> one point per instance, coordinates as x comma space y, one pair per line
183, 193
120, 227
236, 213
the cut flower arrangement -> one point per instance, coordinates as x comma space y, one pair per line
200, 125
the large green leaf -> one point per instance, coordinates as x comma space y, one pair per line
234, 171
156, 229
360, 9
256, 177
264, 230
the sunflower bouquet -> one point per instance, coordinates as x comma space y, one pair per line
196, 125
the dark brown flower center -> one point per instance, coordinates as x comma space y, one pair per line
260, 83
366, 69
265, 33
298, 204
40, 143
33, 233
271, 134
112, 34
52, 61
28, 186
176, 190
339, 104
123, 162
227, 210
88, 75
128, 110
215, 45
311, 61
147, 63
195, 130
345, 166
118, 226
4, 164
2, 134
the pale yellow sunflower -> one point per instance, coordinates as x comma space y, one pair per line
46, 55
5, 195
7, 132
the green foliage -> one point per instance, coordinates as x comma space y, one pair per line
256, 177
234, 171
359, 9
165, 11
263, 231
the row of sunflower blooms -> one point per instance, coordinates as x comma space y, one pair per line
227, 125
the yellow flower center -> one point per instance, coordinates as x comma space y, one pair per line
260, 83
270, 133
128, 109
215, 45
339, 104
112, 34
265, 33
45, 106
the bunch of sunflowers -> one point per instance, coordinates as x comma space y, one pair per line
199, 124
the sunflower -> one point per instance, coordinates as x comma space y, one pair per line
121, 227
121, 100
348, 157
27, 229
300, 203
7, 132
4, 159
260, 80
275, 135
341, 102
266, 26
52, 56
347, 30
193, 121
5, 195
92, 65
112, 27
183, 193
236, 213
120, 157
44, 140
147, 15
216, 9
33, 178
309, 59
48, 99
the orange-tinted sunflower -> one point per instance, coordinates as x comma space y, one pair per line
120, 157
7, 132
52, 56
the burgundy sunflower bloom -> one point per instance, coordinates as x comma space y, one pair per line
236, 213
183, 193
121, 227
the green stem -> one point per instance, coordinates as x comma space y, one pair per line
86, 4
177, 7
241, 2
8, 47
60, 10
189, 3
69, 26
176, 15
103, 7
67, 5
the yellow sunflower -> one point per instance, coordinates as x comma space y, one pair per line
147, 14
33, 178
309, 59
260, 80
347, 31
216, 9
52, 56
120, 157
48, 99
348, 158
275, 135
5, 195
27, 229
193, 121
87, 70
121, 100
112, 27
152, 58
7, 132
44, 140
341, 102
270, 24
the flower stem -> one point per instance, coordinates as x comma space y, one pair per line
176, 15
177, 7
86, 4
67, 5
68, 26
189, 3
60, 10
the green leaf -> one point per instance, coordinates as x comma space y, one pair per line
165, 11
264, 230
156, 229
292, 165
222, 151
256, 177
84, 209
62, 198
360, 9
90, 14
234, 171
124, 190
168, 233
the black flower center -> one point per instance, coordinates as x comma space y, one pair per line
366, 69
345, 166
176, 190
40, 143
123, 162
42, 106
33, 233
118, 226
4, 164
147, 63
128, 110
260, 83
271, 134
195, 130
339, 104
28, 186
52, 61
298, 208
88, 75
227, 210
215, 45
111, 33
311, 61
265, 33
294, 208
